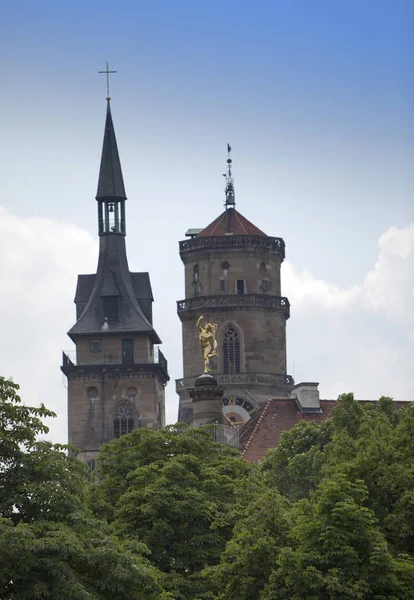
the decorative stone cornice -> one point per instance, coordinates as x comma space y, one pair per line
272, 244
234, 301
282, 382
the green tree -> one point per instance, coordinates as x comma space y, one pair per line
175, 491
251, 554
336, 550
380, 453
354, 526
294, 467
50, 544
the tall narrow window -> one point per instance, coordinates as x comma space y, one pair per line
127, 352
240, 286
196, 280
231, 351
123, 420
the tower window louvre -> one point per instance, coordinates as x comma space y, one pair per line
231, 351
123, 420
110, 306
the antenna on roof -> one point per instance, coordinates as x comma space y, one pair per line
229, 189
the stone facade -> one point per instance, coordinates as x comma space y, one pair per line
96, 393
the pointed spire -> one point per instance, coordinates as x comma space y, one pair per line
229, 189
110, 183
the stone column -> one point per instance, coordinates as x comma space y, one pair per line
206, 396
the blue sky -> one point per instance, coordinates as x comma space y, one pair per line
315, 98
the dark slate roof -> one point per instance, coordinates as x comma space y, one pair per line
113, 278
84, 287
230, 222
140, 283
142, 286
110, 183
109, 286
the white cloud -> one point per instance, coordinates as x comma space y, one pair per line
39, 261
357, 339
389, 287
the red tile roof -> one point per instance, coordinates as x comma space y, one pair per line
274, 417
262, 432
230, 222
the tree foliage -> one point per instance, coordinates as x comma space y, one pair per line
350, 484
174, 490
335, 550
50, 544
327, 515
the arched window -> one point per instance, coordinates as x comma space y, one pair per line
231, 351
123, 420
92, 394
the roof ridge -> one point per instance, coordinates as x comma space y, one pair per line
219, 220
222, 226
256, 427
237, 215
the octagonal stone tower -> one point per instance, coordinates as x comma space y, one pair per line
232, 278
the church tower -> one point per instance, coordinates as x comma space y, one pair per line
116, 376
232, 278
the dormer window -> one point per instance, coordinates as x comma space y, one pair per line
110, 306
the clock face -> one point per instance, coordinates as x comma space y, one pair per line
237, 410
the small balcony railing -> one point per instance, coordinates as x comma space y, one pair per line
229, 301
234, 380
270, 244
225, 434
115, 356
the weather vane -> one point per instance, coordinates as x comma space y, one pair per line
229, 189
108, 97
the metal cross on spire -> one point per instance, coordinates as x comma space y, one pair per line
107, 79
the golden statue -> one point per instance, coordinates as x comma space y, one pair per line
208, 342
